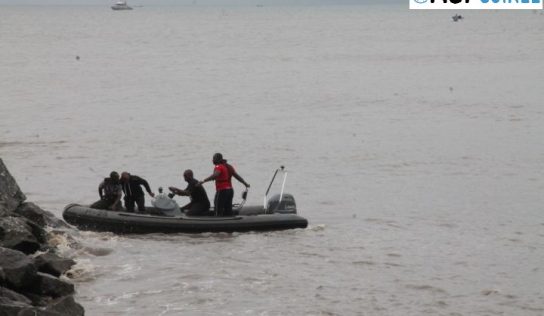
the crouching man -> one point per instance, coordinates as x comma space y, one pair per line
199, 205
110, 192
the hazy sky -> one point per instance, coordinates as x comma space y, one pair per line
198, 2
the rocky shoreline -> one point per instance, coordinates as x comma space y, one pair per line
31, 270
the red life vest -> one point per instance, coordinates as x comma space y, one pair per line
223, 181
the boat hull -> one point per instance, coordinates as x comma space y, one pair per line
120, 8
86, 218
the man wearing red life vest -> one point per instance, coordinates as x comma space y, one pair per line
222, 174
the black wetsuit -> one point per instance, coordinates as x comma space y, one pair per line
134, 193
200, 204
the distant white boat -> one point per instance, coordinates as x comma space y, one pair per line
121, 5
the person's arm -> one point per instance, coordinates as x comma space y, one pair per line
100, 189
179, 191
143, 182
214, 176
237, 176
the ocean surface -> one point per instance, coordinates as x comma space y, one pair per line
414, 147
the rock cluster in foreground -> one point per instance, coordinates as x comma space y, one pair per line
29, 267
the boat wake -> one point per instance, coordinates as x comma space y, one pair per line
317, 228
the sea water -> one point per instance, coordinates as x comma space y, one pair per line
414, 146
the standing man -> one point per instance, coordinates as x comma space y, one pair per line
133, 191
110, 193
199, 205
222, 174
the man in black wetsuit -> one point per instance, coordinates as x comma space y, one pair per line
133, 191
110, 192
199, 205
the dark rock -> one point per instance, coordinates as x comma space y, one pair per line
10, 193
66, 306
53, 264
10, 297
61, 306
23, 290
41, 217
16, 233
11, 310
38, 232
13, 303
37, 299
14, 310
2, 277
19, 270
48, 285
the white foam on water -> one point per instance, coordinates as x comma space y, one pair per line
318, 227
83, 271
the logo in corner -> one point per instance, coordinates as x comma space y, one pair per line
476, 4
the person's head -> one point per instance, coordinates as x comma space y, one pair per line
217, 158
125, 176
188, 175
114, 176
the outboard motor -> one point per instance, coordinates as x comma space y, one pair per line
165, 205
287, 204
